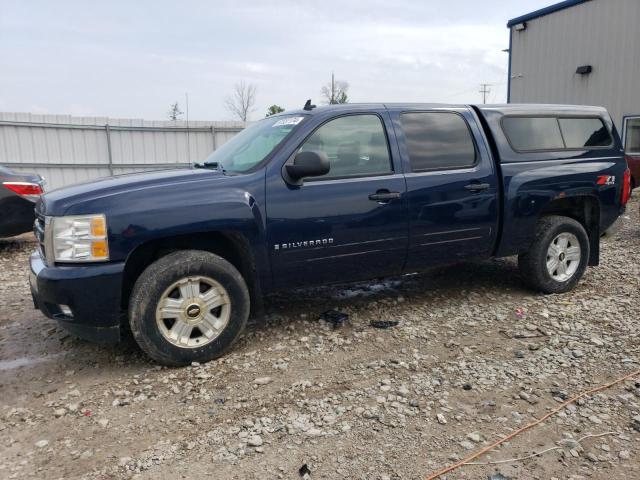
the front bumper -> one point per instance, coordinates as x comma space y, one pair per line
92, 293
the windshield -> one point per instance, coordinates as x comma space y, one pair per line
251, 146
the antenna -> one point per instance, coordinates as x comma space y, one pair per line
308, 106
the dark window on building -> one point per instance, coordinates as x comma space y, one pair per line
584, 132
533, 133
438, 141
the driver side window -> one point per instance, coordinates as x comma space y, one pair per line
356, 146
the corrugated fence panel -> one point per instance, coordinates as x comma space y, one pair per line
67, 150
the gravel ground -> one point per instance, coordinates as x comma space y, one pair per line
475, 356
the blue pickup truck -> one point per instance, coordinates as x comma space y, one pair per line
324, 195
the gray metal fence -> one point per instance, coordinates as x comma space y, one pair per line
67, 150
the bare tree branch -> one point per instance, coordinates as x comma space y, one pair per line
175, 112
241, 102
335, 91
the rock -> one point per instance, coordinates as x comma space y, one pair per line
59, 412
624, 455
254, 441
441, 419
41, 443
597, 342
263, 380
124, 461
569, 443
467, 445
577, 353
474, 437
528, 398
86, 454
103, 422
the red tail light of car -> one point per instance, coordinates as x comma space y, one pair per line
28, 190
626, 187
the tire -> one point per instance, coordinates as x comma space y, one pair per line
534, 269
170, 293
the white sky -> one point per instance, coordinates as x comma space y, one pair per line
133, 59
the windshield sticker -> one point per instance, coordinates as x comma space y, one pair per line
288, 121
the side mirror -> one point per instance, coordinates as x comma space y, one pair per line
308, 164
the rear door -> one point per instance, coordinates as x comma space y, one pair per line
350, 224
452, 186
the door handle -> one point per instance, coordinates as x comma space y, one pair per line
477, 187
384, 196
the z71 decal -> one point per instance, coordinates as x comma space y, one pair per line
606, 180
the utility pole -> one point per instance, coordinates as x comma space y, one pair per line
485, 90
186, 100
333, 89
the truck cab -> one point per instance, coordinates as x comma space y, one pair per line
325, 195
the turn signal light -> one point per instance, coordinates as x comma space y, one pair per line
98, 227
99, 249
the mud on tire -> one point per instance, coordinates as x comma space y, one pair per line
165, 289
535, 264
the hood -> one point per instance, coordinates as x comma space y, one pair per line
59, 201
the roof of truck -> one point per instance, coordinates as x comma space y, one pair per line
512, 108
541, 109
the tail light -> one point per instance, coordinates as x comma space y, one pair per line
626, 187
28, 190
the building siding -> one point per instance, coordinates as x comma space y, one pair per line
602, 33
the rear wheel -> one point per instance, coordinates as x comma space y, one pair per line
189, 306
558, 255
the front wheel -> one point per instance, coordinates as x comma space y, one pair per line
188, 306
558, 255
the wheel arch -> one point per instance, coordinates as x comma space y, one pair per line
230, 245
586, 210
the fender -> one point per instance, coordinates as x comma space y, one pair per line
533, 189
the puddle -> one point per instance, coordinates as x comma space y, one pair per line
367, 289
26, 361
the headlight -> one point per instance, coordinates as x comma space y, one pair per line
78, 239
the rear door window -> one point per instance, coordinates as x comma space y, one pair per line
437, 141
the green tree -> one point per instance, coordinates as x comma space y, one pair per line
273, 110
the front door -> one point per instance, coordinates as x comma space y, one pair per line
349, 224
